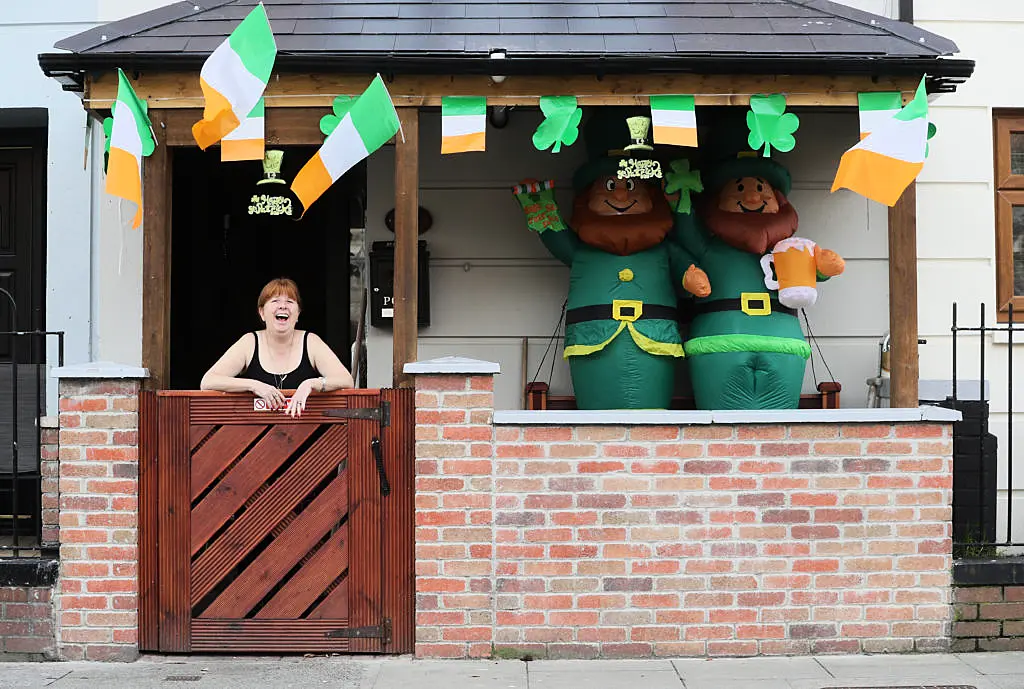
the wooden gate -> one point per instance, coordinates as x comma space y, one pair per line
263, 533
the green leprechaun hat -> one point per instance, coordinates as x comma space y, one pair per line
606, 134
729, 156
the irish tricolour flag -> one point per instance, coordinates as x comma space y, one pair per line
369, 123
246, 141
885, 163
875, 108
131, 139
674, 119
463, 123
234, 77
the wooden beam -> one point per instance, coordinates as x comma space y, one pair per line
181, 89
406, 281
283, 126
903, 356
156, 260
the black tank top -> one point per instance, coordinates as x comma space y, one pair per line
283, 381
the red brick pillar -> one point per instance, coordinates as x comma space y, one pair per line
96, 601
454, 507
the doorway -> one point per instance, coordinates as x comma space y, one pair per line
222, 255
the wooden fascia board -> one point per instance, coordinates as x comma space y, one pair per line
172, 90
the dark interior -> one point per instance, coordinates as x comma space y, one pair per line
222, 256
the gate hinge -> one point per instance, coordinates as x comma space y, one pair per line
381, 414
380, 631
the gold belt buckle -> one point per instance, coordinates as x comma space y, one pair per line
766, 303
634, 309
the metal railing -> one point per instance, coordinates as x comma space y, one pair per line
23, 371
975, 489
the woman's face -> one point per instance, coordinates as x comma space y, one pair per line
280, 313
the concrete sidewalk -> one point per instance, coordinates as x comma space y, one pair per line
979, 670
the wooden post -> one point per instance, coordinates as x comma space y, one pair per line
407, 203
903, 359
156, 260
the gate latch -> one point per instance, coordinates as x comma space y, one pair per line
380, 631
381, 414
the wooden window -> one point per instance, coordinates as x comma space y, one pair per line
1009, 164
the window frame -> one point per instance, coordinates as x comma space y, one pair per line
1009, 192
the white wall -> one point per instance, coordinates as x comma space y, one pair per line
955, 211
493, 283
94, 301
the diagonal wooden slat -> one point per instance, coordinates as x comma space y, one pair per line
311, 580
197, 433
244, 478
334, 606
257, 521
210, 461
277, 559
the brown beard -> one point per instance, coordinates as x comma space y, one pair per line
755, 233
622, 234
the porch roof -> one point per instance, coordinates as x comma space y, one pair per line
539, 36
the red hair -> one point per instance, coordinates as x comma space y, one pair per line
277, 287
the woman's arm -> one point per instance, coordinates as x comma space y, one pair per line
334, 375
222, 375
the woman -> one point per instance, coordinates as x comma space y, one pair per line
279, 356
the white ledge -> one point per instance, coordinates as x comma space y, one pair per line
640, 417
452, 364
100, 370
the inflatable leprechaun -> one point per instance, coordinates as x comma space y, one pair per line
622, 337
745, 348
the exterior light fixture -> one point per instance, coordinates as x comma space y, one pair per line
498, 54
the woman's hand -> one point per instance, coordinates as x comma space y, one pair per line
298, 401
268, 393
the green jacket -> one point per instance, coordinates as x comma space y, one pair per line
732, 273
598, 277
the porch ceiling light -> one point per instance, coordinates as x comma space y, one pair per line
498, 54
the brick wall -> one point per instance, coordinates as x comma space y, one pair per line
48, 468
614, 541
988, 618
97, 600
26, 623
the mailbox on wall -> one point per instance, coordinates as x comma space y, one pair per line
382, 274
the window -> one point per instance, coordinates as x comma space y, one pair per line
1009, 148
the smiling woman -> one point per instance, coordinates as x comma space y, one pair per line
279, 357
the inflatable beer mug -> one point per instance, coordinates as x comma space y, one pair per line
791, 269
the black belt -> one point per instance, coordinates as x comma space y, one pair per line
753, 306
604, 312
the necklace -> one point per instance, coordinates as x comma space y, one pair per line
280, 377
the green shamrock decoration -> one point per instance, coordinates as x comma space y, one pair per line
108, 127
770, 124
932, 131
683, 180
561, 123
341, 105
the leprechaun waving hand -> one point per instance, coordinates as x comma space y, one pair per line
622, 338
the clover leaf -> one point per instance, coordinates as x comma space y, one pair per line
932, 131
108, 127
341, 106
683, 180
770, 125
561, 123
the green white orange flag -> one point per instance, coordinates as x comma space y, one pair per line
234, 77
131, 138
463, 123
369, 123
675, 120
875, 108
246, 142
885, 163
